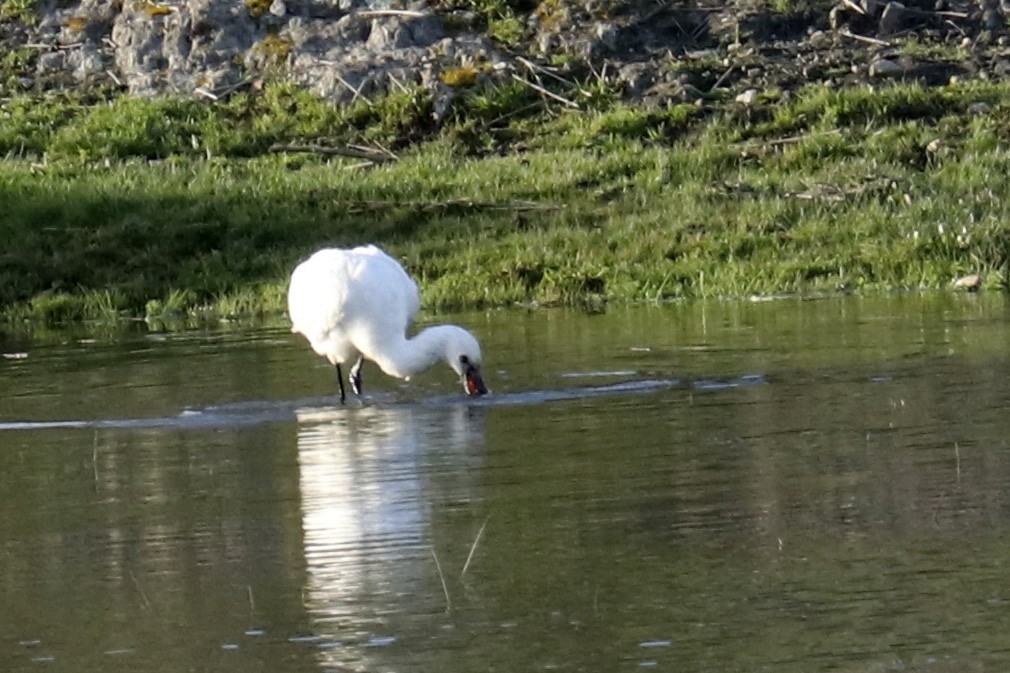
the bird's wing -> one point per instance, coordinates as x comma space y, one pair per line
318, 295
352, 301
392, 298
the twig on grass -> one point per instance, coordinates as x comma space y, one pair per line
354, 151
543, 91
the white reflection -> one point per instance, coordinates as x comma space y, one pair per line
370, 479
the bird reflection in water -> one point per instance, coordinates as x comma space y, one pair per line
372, 483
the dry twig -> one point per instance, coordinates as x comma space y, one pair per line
356, 152
545, 92
863, 38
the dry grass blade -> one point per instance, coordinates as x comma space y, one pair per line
143, 595
545, 92
353, 151
441, 577
473, 548
864, 38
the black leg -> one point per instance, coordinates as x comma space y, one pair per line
340, 380
356, 375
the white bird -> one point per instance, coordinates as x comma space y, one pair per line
357, 305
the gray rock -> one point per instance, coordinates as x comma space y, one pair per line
182, 50
51, 61
327, 39
885, 68
671, 92
426, 31
87, 63
992, 19
444, 96
388, 33
606, 34
657, 54
893, 18
212, 44
635, 78
748, 97
871, 7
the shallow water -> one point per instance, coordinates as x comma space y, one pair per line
783, 486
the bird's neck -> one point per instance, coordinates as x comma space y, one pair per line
407, 356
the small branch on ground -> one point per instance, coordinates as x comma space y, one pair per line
545, 92
354, 151
451, 204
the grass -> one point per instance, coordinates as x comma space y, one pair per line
168, 208
20, 10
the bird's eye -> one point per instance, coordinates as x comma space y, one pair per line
464, 359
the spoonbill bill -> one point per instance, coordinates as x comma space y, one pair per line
356, 305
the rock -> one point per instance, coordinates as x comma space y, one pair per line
884, 67
606, 34
992, 19
748, 97
426, 31
87, 62
444, 96
818, 38
662, 93
388, 33
51, 61
181, 50
655, 54
635, 78
871, 7
892, 19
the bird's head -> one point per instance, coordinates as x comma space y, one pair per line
463, 355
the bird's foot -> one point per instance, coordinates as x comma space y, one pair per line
340, 382
355, 377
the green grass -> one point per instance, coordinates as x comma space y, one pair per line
21, 10
168, 208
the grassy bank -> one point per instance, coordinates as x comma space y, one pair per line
125, 207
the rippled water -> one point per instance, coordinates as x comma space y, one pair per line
782, 486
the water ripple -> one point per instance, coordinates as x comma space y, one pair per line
243, 414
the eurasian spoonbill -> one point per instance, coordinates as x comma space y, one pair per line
358, 303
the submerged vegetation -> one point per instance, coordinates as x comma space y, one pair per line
117, 206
